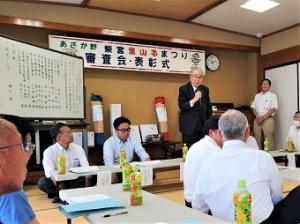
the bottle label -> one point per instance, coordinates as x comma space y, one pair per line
61, 165
242, 207
126, 171
123, 159
136, 197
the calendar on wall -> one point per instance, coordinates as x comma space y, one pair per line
40, 83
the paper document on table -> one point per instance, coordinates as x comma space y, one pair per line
181, 171
85, 169
88, 207
146, 163
104, 178
147, 175
89, 198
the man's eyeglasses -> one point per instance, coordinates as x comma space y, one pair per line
124, 130
26, 146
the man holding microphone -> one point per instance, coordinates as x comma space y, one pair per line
195, 108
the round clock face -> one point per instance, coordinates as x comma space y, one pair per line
212, 62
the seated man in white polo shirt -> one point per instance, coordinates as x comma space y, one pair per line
74, 156
294, 134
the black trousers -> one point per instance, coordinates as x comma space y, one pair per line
286, 211
189, 140
46, 185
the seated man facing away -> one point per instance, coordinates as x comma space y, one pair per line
294, 131
112, 146
219, 174
200, 151
74, 156
14, 155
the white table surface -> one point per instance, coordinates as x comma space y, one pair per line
154, 209
290, 174
279, 153
115, 168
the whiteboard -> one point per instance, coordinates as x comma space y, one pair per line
40, 83
284, 85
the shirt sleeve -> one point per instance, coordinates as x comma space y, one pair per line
140, 151
48, 163
82, 157
15, 208
198, 201
108, 153
253, 104
274, 102
275, 182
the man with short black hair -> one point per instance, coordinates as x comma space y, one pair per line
112, 146
264, 107
121, 139
198, 153
74, 157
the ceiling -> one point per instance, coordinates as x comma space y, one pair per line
221, 14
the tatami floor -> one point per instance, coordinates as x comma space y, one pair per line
48, 213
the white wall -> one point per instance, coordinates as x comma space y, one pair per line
285, 85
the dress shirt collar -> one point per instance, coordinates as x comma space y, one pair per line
60, 147
212, 141
230, 145
119, 140
263, 93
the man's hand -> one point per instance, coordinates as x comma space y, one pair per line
197, 97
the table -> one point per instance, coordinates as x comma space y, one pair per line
154, 209
290, 174
164, 165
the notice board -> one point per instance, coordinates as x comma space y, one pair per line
40, 83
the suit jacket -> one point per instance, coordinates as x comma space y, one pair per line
191, 119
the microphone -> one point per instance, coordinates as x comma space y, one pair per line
198, 89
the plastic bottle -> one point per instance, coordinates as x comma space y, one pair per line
123, 159
184, 151
266, 144
242, 204
290, 146
136, 197
61, 163
126, 171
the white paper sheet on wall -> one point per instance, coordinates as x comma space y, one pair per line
77, 138
91, 139
115, 111
148, 129
135, 133
97, 113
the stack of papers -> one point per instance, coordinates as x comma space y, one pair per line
86, 169
146, 163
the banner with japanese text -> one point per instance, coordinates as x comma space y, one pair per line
129, 56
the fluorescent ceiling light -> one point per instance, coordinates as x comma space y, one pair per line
259, 5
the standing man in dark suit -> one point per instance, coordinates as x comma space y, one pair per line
195, 108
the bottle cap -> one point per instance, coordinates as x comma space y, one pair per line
241, 183
136, 168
